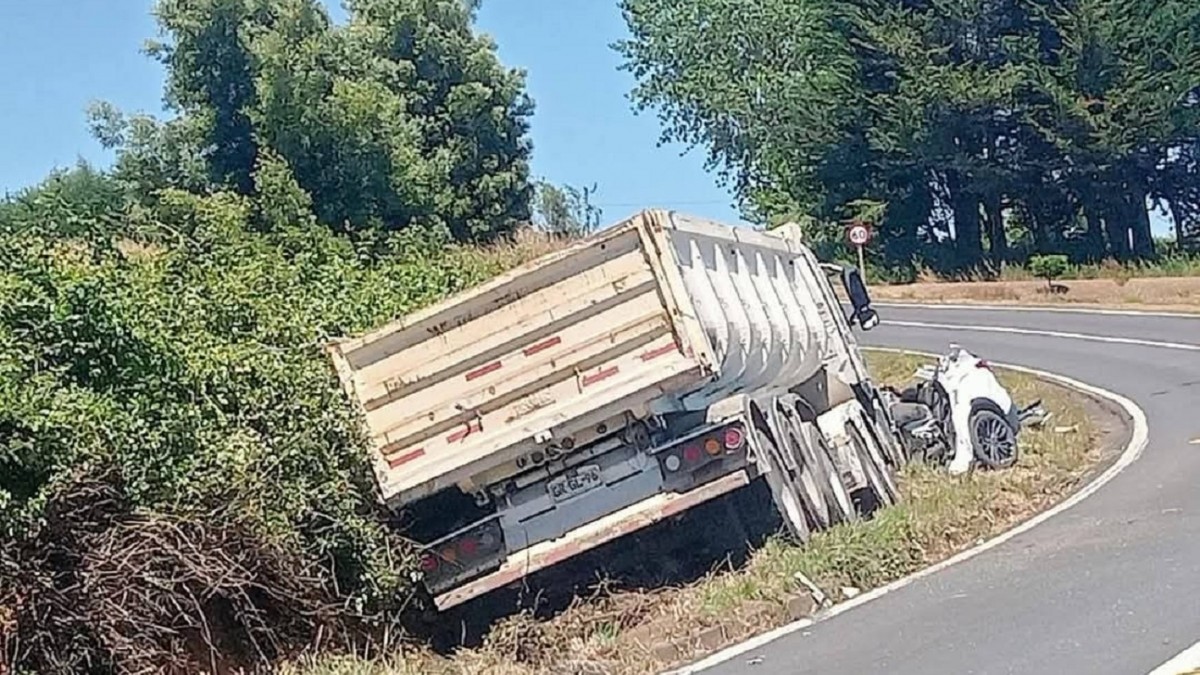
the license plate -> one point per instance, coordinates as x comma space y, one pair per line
577, 482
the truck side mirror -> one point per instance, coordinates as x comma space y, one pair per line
860, 299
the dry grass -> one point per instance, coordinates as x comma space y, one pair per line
629, 632
523, 245
1164, 293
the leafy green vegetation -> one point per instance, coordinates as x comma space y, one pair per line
164, 399
1048, 267
990, 130
181, 481
565, 211
401, 117
181, 363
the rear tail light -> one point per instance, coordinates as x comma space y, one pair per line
468, 547
698, 453
983, 364
477, 548
735, 438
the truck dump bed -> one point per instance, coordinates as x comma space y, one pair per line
658, 307
480, 378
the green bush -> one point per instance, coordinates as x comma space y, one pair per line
186, 356
1049, 267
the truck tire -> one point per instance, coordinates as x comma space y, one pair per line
820, 456
785, 492
882, 487
870, 435
819, 479
829, 477
808, 482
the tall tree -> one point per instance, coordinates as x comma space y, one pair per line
769, 88
210, 78
403, 116
1126, 93
473, 112
964, 113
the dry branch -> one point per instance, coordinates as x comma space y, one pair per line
102, 589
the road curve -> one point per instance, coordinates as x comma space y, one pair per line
1110, 586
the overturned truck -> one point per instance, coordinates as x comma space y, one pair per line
655, 366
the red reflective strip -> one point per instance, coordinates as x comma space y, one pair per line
463, 433
661, 351
405, 458
480, 372
602, 375
542, 346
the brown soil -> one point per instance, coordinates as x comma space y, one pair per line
1176, 294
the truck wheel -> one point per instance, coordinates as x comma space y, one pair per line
819, 456
784, 491
879, 480
810, 483
875, 449
993, 438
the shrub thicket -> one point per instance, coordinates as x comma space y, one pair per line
173, 357
182, 484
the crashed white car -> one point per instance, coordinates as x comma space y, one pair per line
961, 415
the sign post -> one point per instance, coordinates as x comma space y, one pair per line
859, 234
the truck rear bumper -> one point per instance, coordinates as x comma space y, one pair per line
623, 522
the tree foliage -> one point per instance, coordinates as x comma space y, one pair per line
565, 211
179, 349
1049, 267
187, 354
963, 116
402, 117
161, 327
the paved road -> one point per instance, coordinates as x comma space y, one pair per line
1111, 586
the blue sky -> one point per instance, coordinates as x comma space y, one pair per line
56, 56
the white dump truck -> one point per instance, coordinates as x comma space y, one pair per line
662, 363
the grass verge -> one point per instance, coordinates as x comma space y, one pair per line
639, 632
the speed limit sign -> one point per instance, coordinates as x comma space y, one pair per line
859, 234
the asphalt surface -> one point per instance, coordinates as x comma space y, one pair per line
1110, 586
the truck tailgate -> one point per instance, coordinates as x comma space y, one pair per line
486, 376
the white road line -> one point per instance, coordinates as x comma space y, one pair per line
1137, 443
1187, 661
1037, 308
1046, 333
